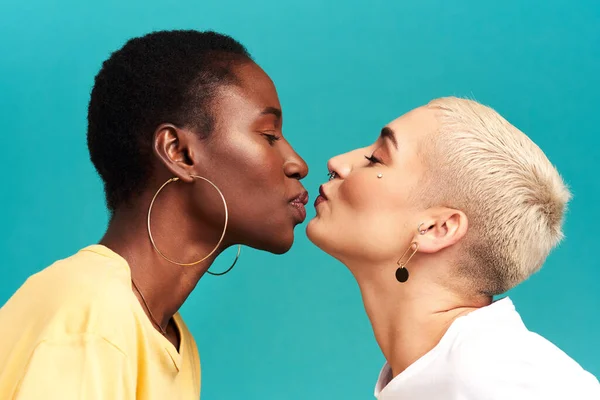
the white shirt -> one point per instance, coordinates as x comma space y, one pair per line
489, 354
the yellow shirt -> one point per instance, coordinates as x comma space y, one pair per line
76, 330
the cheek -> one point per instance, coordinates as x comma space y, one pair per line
254, 181
262, 172
249, 162
370, 216
364, 193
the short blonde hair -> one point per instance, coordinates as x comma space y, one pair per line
512, 195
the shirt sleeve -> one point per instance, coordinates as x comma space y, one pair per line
83, 367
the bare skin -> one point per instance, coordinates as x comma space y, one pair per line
368, 216
253, 165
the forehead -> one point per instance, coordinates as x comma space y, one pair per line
416, 125
254, 84
246, 98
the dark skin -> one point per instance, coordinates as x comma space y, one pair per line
255, 168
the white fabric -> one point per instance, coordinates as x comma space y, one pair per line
490, 355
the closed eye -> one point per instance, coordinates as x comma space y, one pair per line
373, 160
271, 138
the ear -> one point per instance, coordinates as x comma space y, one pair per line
443, 228
172, 146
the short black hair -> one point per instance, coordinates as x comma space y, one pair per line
162, 77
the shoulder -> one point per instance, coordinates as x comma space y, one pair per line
518, 364
86, 279
88, 268
87, 293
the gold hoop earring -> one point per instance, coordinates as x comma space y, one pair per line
220, 239
402, 272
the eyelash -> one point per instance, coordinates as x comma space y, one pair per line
373, 160
271, 138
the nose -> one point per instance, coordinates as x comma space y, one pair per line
294, 166
343, 164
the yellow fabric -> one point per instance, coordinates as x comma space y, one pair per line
76, 331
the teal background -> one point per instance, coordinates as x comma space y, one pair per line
293, 326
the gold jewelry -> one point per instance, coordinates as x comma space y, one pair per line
163, 331
220, 239
402, 272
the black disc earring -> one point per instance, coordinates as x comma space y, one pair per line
402, 274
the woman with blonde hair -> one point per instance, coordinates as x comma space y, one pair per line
451, 206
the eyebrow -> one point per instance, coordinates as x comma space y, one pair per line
272, 110
388, 133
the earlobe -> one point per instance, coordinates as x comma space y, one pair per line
171, 147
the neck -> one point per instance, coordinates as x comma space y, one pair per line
163, 286
409, 319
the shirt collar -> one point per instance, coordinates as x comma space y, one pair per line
385, 377
500, 308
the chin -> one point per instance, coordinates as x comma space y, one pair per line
322, 238
281, 244
314, 235
281, 248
